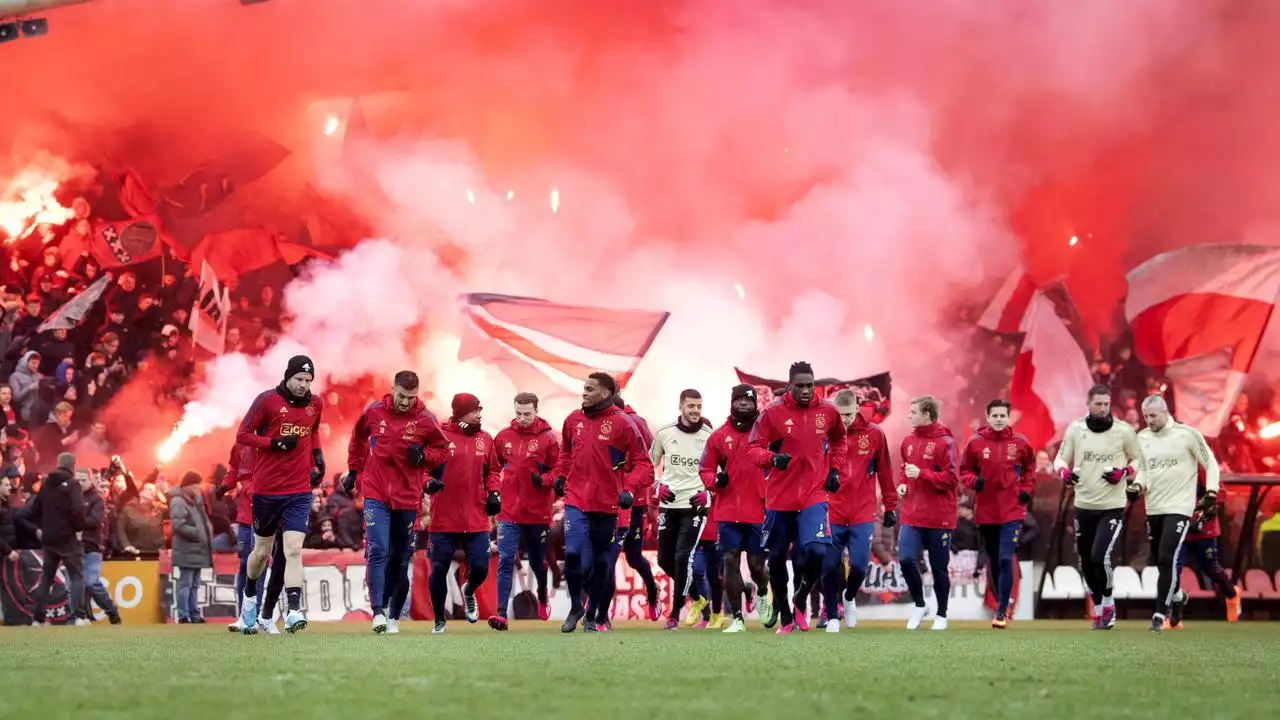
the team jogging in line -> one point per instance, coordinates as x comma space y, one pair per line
794, 487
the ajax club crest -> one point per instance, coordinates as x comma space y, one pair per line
820, 422
606, 427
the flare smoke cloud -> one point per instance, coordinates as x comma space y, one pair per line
845, 164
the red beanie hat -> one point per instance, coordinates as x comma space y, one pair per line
465, 403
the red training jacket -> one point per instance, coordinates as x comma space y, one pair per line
742, 500
1006, 463
866, 463
644, 498
379, 450
240, 478
711, 526
469, 473
931, 497
1213, 528
270, 416
813, 436
602, 455
522, 452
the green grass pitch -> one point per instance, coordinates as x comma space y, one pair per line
1036, 670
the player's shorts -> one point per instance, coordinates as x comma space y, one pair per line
783, 528
287, 513
441, 547
741, 536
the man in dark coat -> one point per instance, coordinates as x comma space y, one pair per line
57, 517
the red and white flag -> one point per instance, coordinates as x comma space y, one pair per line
209, 315
1005, 312
1198, 315
550, 349
1051, 377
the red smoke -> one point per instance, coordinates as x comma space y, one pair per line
846, 163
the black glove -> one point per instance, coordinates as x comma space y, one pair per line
626, 500
492, 503
284, 444
1208, 503
349, 483
1133, 491
780, 460
558, 486
317, 467
833, 481
416, 455
434, 485
1024, 497
1198, 521
538, 482
979, 484
890, 518
722, 479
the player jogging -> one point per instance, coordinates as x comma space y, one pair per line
527, 451
633, 543
1172, 455
738, 488
998, 466
238, 478
678, 447
802, 441
280, 428
853, 508
604, 464
1096, 458
393, 443
464, 493
1202, 544
928, 494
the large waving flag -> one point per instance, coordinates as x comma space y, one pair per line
550, 349
1005, 312
74, 311
1051, 377
1198, 315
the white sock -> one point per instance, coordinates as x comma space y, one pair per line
1097, 610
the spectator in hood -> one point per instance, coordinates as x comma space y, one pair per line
140, 527
25, 384
56, 436
8, 529
54, 350
57, 514
192, 544
94, 538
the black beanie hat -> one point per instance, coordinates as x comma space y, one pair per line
299, 364
743, 390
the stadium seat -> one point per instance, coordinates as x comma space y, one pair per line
1063, 583
1127, 585
1150, 580
1190, 583
1257, 585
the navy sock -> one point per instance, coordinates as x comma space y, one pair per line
294, 597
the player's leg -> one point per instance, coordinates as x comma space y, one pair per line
633, 548
601, 612
535, 543
714, 582
476, 545
815, 544
577, 559
396, 606
757, 567
989, 534
244, 547
1172, 534
858, 544
699, 591
273, 588
1206, 556
688, 525
266, 521
910, 546
509, 535
295, 521
602, 532
399, 550
778, 535
731, 540
831, 574
1110, 529
938, 546
1005, 548
440, 549
96, 589
1086, 528
377, 536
